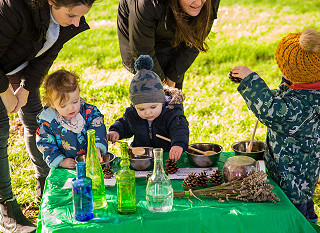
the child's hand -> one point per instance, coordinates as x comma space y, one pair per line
175, 152
113, 136
69, 163
240, 72
99, 155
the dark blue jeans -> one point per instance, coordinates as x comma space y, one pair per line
27, 115
307, 210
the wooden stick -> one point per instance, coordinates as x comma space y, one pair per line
190, 147
249, 149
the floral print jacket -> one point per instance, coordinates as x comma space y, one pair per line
293, 134
57, 143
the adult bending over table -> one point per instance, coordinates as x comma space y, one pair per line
172, 32
32, 33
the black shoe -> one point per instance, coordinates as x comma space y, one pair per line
12, 218
40, 187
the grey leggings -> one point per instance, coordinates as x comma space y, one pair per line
27, 115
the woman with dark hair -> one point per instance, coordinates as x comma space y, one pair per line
172, 32
32, 33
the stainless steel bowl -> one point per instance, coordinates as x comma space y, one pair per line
107, 158
258, 149
199, 160
141, 162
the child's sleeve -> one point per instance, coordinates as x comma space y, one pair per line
269, 107
96, 122
179, 130
47, 145
122, 126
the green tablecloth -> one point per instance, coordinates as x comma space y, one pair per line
209, 216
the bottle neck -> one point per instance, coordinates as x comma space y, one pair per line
81, 170
125, 162
91, 142
158, 162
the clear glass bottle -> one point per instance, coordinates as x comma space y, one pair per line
94, 171
159, 192
126, 184
82, 194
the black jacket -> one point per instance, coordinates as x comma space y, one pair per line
22, 34
148, 27
171, 123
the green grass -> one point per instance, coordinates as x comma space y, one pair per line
246, 33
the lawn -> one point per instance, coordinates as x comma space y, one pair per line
246, 33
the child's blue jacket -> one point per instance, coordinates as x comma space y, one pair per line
57, 143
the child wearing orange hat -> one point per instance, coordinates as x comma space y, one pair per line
292, 116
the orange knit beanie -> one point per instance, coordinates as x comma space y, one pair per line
298, 56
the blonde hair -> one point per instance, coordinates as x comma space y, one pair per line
61, 83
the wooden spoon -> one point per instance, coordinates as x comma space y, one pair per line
249, 148
208, 152
135, 150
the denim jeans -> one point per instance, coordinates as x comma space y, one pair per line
307, 210
27, 115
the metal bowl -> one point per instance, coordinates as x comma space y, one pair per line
199, 160
107, 158
141, 162
258, 149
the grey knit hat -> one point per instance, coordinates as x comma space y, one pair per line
145, 86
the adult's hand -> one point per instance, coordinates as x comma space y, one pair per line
22, 96
170, 83
9, 100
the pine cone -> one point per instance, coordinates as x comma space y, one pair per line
202, 179
234, 79
171, 166
216, 178
107, 172
190, 182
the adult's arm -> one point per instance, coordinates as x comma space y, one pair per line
10, 22
142, 22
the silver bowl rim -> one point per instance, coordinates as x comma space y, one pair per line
256, 152
217, 152
103, 162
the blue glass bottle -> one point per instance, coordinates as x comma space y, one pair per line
82, 194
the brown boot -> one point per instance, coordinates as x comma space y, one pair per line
12, 218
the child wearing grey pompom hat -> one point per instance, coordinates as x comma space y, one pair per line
156, 110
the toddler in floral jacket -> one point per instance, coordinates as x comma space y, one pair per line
292, 117
62, 135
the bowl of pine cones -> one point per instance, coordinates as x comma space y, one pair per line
200, 160
142, 162
258, 149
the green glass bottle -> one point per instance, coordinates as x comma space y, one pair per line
94, 171
126, 184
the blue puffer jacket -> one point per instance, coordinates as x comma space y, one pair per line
171, 123
57, 143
